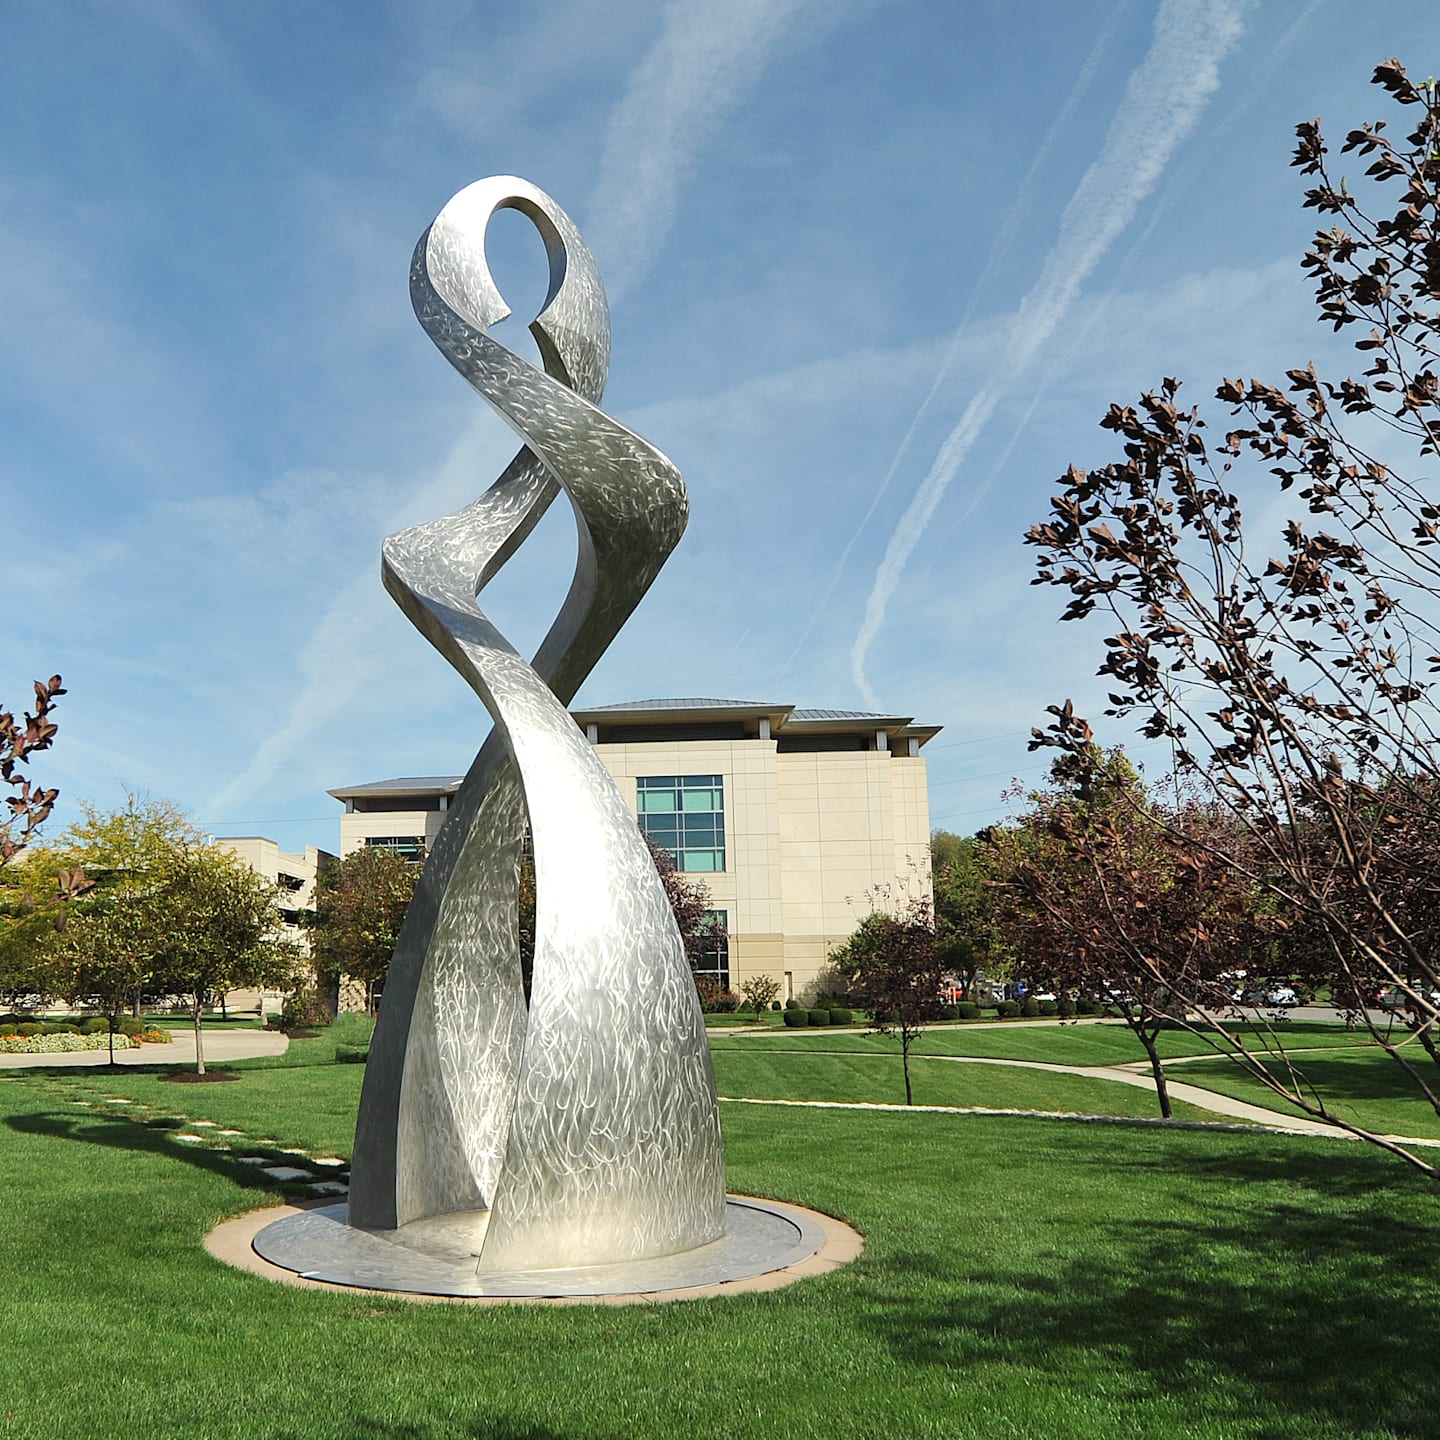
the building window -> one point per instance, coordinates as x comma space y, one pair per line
712, 960
412, 847
684, 814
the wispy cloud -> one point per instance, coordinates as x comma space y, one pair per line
1000, 247
1162, 102
707, 59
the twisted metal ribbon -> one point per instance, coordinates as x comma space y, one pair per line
583, 1128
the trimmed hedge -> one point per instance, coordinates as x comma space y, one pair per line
839, 1015
1049, 1007
967, 1010
796, 1018
819, 1017
1007, 1010
60, 1044
1030, 1009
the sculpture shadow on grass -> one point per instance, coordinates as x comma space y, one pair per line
1310, 1301
132, 1133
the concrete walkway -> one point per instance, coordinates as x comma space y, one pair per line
219, 1045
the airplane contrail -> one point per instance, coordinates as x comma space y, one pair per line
1163, 101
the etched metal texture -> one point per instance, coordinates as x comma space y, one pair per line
585, 1123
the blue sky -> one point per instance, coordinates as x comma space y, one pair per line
876, 270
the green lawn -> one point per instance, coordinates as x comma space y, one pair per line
1364, 1087
1083, 1044
776, 1075
1021, 1278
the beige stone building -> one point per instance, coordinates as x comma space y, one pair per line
788, 816
295, 875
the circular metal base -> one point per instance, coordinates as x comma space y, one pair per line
441, 1255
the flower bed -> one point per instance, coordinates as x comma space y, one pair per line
59, 1044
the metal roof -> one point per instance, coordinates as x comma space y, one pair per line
692, 703
403, 785
783, 716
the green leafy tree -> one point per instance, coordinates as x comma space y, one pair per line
892, 968
360, 905
220, 924
108, 948
968, 943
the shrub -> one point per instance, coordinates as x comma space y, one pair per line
99, 1025
7, 1028
304, 1008
792, 1003
839, 1015
1007, 1009
819, 1017
1049, 1007
60, 1044
967, 1010
795, 1017
775, 1005
28, 1028
1065, 1007
1030, 1008
130, 1025
1087, 1005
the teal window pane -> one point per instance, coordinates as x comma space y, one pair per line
656, 782
696, 860
701, 800
652, 801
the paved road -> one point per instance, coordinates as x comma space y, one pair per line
219, 1045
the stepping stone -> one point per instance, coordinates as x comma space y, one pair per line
203, 1124
190, 1139
232, 1132
329, 1160
117, 1100
252, 1160
286, 1172
328, 1187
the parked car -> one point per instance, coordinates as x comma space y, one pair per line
1396, 999
1281, 997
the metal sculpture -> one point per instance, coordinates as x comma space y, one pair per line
581, 1128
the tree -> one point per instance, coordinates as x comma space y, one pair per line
28, 805
1098, 897
759, 992
967, 940
1295, 681
360, 904
892, 969
107, 949
220, 924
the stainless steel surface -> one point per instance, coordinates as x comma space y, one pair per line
440, 1256
587, 1123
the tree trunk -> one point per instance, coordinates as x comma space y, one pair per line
199, 1042
905, 1061
112, 1019
1162, 1091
